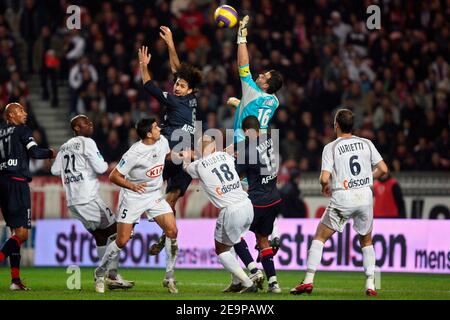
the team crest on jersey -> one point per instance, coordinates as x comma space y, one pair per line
154, 172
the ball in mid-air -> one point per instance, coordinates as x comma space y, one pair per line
225, 16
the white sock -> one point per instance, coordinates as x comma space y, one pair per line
171, 246
273, 279
314, 257
112, 251
252, 265
369, 266
275, 233
101, 252
232, 265
114, 263
234, 279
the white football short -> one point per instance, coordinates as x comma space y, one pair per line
132, 206
356, 204
94, 214
233, 223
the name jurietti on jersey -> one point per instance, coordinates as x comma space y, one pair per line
351, 147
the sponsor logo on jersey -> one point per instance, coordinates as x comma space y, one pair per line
188, 128
9, 163
269, 178
73, 179
228, 188
355, 183
154, 172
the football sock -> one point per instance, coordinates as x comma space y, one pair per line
101, 252
172, 254
273, 279
14, 262
242, 251
314, 257
275, 233
112, 251
11, 245
232, 265
234, 279
369, 266
267, 262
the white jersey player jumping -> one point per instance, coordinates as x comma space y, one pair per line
78, 163
349, 165
139, 174
218, 177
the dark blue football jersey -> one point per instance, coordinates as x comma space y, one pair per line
256, 160
16, 146
180, 112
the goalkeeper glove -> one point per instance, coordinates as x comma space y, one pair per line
242, 31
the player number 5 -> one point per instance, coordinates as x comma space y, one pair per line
124, 213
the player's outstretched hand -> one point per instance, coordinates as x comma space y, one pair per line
139, 188
242, 31
326, 190
233, 102
144, 56
166, 35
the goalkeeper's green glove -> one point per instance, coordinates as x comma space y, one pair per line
242, 31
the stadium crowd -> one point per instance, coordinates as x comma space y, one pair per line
396, 80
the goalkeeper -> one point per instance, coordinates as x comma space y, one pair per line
258, 100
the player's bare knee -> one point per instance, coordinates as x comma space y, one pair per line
171, 232
22, 234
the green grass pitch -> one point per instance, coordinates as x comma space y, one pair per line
50, 283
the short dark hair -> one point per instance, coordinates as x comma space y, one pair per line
144, 126
250, 122
190, 74
344, 117
275, 82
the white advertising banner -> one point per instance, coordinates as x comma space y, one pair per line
400, 245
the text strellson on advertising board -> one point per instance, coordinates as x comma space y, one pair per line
400, 245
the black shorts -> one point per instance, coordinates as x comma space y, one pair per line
15, 202
177, 178
264, 217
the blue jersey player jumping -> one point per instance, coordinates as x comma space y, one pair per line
179, 120
258, 97
258, 100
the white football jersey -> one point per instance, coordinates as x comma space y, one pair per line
145, 163
219, 179
78, 163
350, 161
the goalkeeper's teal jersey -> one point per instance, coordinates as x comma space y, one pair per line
254, 102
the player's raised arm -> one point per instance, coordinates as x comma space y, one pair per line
166, 35
144, 60
242, 58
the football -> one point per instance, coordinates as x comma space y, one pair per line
225, 16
